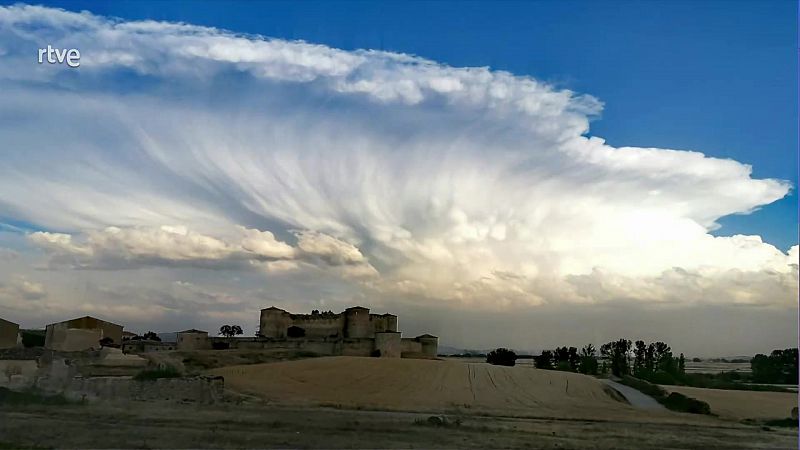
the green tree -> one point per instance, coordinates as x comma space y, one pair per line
545, 361
779, 367
618, 354
588, 360
501, 357
640, 368
230, 330
151, 336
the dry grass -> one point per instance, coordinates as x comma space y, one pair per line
419, 385
157, 425
739, 405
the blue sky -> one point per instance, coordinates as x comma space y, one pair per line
717, 77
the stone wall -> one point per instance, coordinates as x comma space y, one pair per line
56, 374
324, 347
8, 334
430, 345
18, 374
194, 389
388, 344
62, 338
358, 347
410, 347
320, 327
192, 341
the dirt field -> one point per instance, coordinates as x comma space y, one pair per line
421, 385
742, 404
156, 425
476, 406
716, 367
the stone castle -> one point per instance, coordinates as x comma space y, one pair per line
353, 332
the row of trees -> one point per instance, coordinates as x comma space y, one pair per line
621, 357
653, 362
569, 359
149, 336
779, 367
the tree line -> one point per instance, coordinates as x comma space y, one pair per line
655, 362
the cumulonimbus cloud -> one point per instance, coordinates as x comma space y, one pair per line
431, 181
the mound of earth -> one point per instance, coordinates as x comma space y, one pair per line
424, 385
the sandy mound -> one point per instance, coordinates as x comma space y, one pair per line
742, 404
420, 385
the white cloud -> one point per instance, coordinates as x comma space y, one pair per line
116, 248
411, 178
20, 289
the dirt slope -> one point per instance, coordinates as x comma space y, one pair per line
420, 385
738, 405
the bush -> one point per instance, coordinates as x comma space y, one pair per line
154, 374
787, 423
682, 403
502, 357
644, 387
220, 345
662, 377
32, 338
31, 397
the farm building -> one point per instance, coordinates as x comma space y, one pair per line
83, 333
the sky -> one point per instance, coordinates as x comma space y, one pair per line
523, 174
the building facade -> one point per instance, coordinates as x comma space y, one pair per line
8, 334
83, 333
353, 332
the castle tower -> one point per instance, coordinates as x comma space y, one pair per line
356, 323
391, 322
274, 322
430, 345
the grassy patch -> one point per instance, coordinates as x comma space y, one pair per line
438, 421
154, 374
12, 446
786, 423
31, 397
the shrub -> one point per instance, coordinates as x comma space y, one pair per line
644, 387
32, 338
502, 357
787, 422
682, 403
662, 377
154, 374
31, 397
